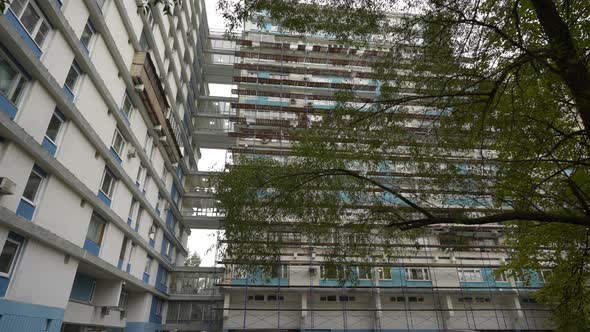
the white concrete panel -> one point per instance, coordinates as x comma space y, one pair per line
106, 67
58, 57
35, 111
121, 37
107, 292
15, 165
76, 14
95, 110
138, 307
42, 276
121, 200
111, 244
446, 277
50, 212
81, 313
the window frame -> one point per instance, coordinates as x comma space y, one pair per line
92, 29
542, 275
127, 100
474, 271
148, 265
381, 272
19, 78
14, 259
425, 272
39, 187
92, 291
112, 185
62, 121
103, 226
37, 28
123, 142
155, 231
77, 69
503, 277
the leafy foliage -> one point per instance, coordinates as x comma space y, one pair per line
483, 108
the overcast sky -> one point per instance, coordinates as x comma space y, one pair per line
203, 241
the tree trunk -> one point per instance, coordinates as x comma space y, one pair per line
565, 54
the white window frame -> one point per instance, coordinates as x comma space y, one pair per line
501, 278
92, 29
20, 77
42, 19
112, 186
132, 208
367, 275
102, 231
59, 131
424, 270
461, 273
16, 255
123, 143
39, 188
127, 99
140, 172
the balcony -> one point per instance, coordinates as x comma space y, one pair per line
196, 282
149, 87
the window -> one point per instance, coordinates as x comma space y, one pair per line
93, 288
384, 273
160, 202
32, 20
152, 233
8, 257
127, 106
364, 272
73, 76
12, 80
164, 174
329, 298
147, 142
346, 298
139, 174
87, 35
139, 215
123, 300
118, 143
417, 274
158, 308
134, 204
280, 271
545, 275
146, 183
123, 248
275, 297
96, 229
499, 276
470, 275
108, 183
148, 265
32, 187
54, 126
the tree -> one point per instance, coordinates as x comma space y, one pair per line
193, 260
500, 135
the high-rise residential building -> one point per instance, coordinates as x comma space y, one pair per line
444, 280
104, 107
97, 101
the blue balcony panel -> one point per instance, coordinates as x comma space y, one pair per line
104, 198
114, 153
7, 107
92, 247
23, 33
120, 264
69, 93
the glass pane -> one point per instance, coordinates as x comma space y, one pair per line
42, 33
95, 229
127, 106
17, 6
32, 186
30, 18
7, 76
72, 78
18, 90
53, 129
107, 183
86, 36
7, 256
118, 143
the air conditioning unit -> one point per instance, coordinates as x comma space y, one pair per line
105, 311
131, 152
6, 186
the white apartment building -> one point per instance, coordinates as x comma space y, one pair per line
96, 100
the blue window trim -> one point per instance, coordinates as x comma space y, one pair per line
23, 33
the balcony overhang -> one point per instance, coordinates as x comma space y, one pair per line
149, 87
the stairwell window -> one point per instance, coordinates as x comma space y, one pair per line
8, 256
107, 186
32, 19
118, 143
470, 275
12, 80
417, 274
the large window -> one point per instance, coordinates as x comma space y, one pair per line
280, 271
417, 274
8, 257
384, 273
32, 19
470, 275
118, 143
96, 229
33, 185
54, 127
107, 185
12, 80
88, 35
73, 77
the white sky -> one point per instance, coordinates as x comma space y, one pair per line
203, 241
